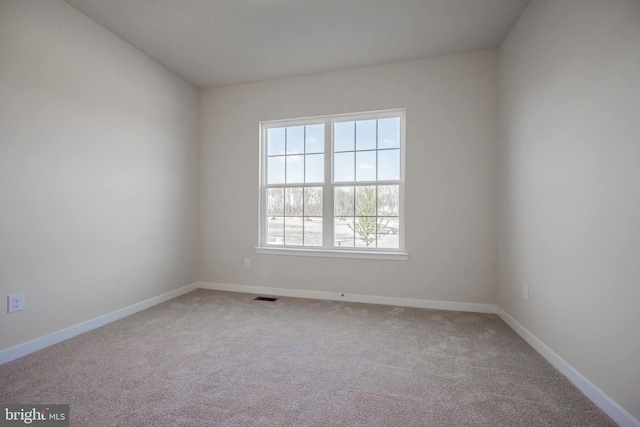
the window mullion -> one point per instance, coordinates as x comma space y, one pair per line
263, 188
327, 192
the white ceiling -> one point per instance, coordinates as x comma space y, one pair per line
222, 42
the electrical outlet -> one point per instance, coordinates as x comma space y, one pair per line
247, 262
525, 291
16, 302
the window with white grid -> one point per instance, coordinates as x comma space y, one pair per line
333, 183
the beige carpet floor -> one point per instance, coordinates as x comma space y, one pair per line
213, 358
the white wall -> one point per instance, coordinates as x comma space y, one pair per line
98, 171
570, 186
451, 113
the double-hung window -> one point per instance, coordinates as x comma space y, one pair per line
333, 185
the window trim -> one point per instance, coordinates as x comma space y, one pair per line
328, 188
332, 253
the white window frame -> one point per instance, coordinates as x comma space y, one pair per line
328, 249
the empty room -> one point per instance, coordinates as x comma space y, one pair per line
320, 212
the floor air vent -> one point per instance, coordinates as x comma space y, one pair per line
265, 299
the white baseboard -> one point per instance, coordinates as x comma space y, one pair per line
337, 296
20, 350
604, 402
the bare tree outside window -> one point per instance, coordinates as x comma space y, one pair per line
366, 225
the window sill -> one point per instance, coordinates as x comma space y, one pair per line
334, 253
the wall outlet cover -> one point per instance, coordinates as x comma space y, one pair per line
16, 302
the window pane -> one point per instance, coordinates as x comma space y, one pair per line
313, 231
293, 202
295, 169
388, 165
388, 200
366, 166
295, 140
389, 133
343, 201
343, 233
275, 141
343, 167
313, 201
365, 228
366, 201
314, 168
275, 230
293, 231
275, 170
343, 136
366, 135
388, 230
275, 202
315, 139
